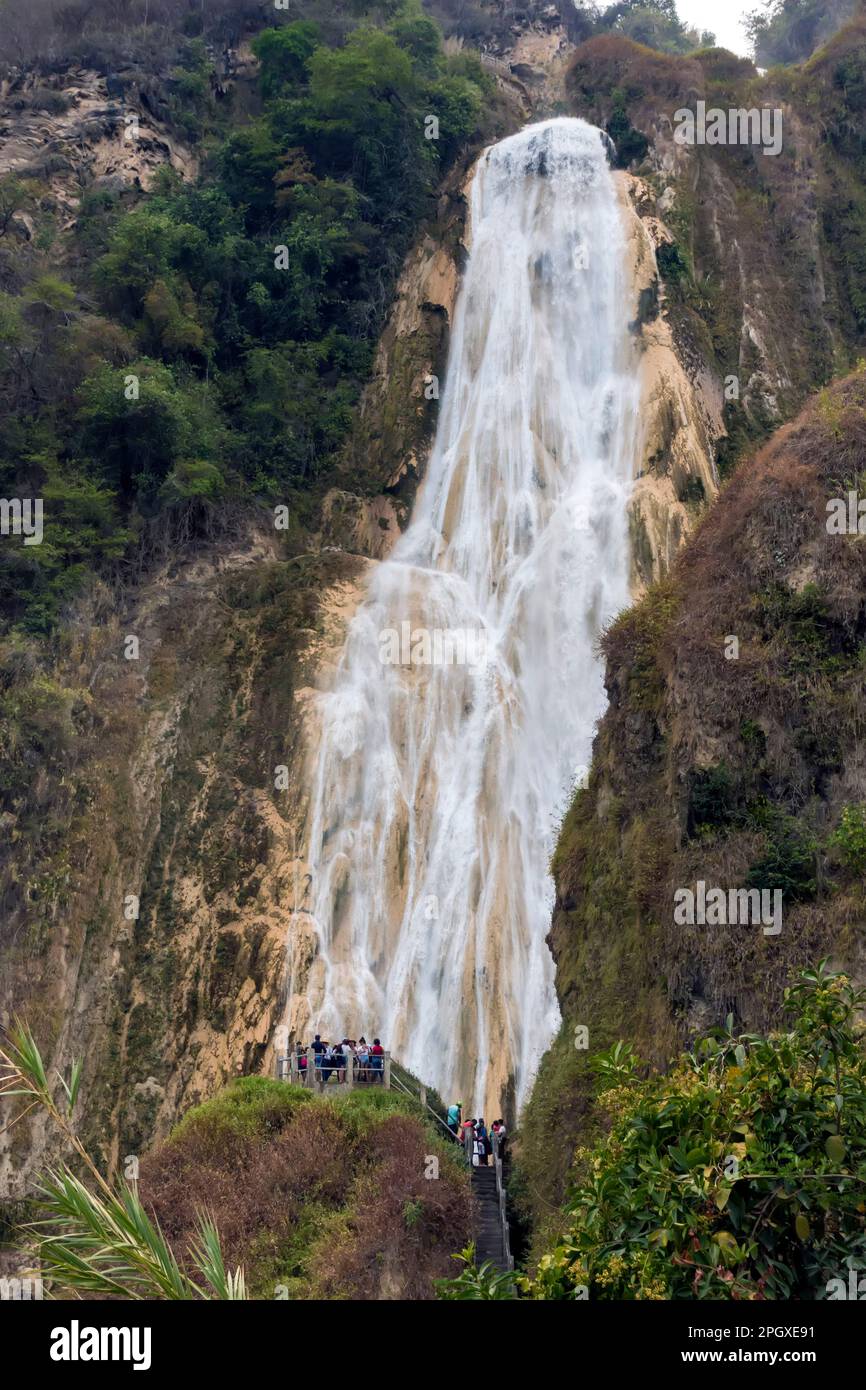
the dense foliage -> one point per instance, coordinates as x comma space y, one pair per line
210, 343
654, 23
789, 31
740, 1174
99, 33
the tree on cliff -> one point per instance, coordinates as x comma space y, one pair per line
654, 23
739, 1174
789, 31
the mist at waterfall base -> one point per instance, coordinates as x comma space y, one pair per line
439, 788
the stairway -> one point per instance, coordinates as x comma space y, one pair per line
488, 1227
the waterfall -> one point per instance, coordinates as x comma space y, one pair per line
469, 686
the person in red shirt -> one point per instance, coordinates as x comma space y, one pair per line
377, 1062
467, 1137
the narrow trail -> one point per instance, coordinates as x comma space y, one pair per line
490, 1241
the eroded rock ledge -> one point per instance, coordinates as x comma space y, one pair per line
681, 405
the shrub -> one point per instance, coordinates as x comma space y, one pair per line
284, 54
712, 799
672, 264
849, 839
737, 1176
327, 1197
692, 490
630, 144
789, 862
814, 641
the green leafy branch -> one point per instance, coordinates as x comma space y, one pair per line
99, 1239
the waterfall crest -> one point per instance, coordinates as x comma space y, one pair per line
439, 787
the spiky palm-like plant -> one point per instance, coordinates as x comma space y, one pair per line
97, 1238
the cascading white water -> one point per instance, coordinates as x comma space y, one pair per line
439, 787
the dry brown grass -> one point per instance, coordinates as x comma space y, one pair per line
330, 1199
763, 568
609, 61
405, 1228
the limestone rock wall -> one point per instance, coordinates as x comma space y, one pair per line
681, 400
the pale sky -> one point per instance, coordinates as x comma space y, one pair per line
723, 17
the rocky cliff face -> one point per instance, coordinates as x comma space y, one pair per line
744, 301
729, 752
149, 882
681, 406
72, 134
153, 881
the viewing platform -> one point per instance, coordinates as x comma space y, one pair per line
490, 1201
334, 1079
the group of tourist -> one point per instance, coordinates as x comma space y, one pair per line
474, 1136
333, 1060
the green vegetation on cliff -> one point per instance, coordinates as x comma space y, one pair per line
789, 31
163, 385
202, 351
654, 23
265, 1191
764, 278
740, 1174
738, 765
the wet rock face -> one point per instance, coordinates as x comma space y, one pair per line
397, 417
367, 527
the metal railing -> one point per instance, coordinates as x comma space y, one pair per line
404, 1083
393, 1077
468, 1143
503, 1201
315, 1076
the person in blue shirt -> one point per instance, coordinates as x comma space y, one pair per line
318, 1048
482, 1142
